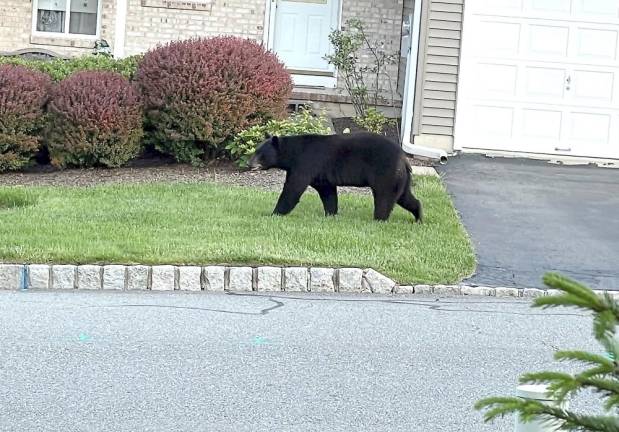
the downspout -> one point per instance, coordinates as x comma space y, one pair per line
408, 103
120, 28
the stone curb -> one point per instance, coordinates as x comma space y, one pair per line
235, 279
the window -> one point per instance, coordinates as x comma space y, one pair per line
67, 17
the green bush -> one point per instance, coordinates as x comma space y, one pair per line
244, 145
23, 96
95, 119
59, 69
374, 121
199, 93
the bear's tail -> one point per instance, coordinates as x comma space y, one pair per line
409, 170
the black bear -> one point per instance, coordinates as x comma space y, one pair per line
327, 161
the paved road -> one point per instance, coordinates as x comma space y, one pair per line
528, 217
100, 361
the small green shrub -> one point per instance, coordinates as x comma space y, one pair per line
59, 69
23, 95
95, 119
361, 63
244, 145
374, 121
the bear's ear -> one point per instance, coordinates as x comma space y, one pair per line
275, 142
267, 136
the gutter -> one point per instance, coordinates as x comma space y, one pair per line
412, 32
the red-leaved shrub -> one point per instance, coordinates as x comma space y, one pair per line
198, 93
95, 118
23, 95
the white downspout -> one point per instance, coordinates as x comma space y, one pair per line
120, 28
408, 103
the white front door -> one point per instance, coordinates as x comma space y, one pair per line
540, 76
301, 38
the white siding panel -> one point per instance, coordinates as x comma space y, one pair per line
439, 77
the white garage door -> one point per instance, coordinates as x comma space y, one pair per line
540, 76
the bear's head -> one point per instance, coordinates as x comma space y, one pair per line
266, 156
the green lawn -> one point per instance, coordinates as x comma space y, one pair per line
203, 223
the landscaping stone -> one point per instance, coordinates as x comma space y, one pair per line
377, 283
350, 280
321, 279
240, 279
89, 277
38, 276
137, 277
507, 292
214, 278
533, 292
11, 276
63, 277
447, 290
163, 278
405, 289
189, 278
477, 291
269, 279
114, 277
424, 289
295, 279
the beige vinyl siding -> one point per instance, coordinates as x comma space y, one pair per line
438, 67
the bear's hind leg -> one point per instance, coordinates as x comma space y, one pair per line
383, 205
408, 201
328, 196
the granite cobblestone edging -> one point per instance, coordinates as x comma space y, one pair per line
234, 278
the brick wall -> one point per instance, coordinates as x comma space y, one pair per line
16, 29
148, 26
383, 22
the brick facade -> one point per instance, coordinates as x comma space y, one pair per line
16, 29
147, 25
383, 22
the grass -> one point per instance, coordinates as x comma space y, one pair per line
13, 197
207, 223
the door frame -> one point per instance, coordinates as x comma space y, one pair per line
307, 80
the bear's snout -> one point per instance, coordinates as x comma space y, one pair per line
254, 163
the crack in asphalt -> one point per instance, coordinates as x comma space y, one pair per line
279, 302
443, 306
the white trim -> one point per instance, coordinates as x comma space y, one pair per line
565, 159
120, 28
315, 81
269, 23
410, 83
66, 34
457, 144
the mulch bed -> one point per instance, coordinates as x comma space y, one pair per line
149, 169
153, 167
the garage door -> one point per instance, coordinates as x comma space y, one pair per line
540, 76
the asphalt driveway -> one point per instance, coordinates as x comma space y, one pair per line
529, 217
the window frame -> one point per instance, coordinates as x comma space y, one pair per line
66, 34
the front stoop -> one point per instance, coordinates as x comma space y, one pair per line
235, 279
